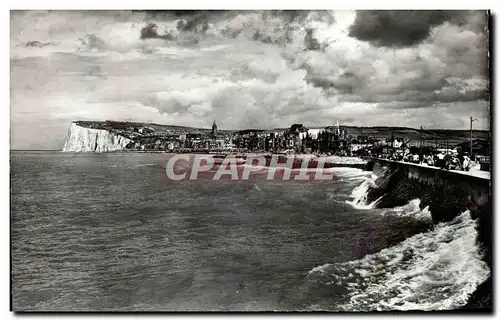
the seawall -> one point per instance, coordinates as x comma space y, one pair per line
442, 190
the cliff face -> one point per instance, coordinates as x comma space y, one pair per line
82, 139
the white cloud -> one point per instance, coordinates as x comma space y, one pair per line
95, 66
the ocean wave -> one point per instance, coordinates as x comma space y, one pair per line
412, 209
436, 270
143, 165
344, 160
360, 194
360, 200
348, 172
132, 166
321, 268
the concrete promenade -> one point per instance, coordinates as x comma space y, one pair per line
472, 172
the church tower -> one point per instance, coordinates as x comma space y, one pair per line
214, 129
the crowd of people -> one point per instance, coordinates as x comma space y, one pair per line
443, 160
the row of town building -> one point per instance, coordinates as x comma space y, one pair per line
296, 139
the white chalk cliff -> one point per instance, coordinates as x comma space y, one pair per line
83, 139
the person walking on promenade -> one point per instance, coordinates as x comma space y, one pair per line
430, 160
440, 162
466, 162
455, 163
448, 161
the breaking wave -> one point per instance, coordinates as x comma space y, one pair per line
360, 199
412, 209
360, 194
349, 173
435, 270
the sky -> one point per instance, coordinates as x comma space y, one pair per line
246, 69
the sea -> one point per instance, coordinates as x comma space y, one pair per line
110, 232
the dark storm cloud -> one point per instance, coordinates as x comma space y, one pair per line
450, 67
310, 42
176, 13
37, 44
416, 98
198, 21
290, 15
400, 28
419, 99
150, 31
189, 20
453, 95
404, 104
346, 83
287, 15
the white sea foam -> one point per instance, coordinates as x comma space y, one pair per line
436, 270
412, 209
360, 194
320, 268
143, 165
347, 172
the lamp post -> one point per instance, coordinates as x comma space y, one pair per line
421, 141
471, 120
447, 139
